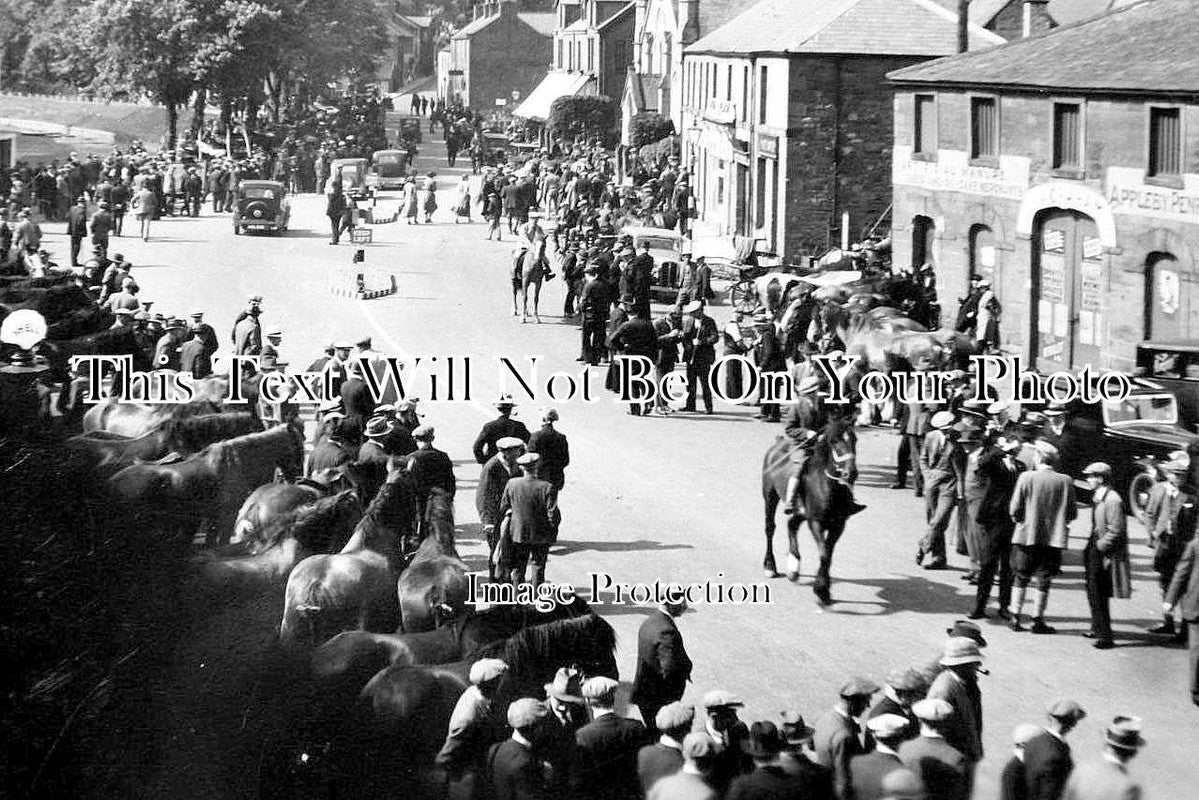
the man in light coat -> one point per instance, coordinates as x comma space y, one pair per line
471, 731
1042, 507
494, 476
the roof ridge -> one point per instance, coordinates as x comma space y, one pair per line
971, 26
847, 6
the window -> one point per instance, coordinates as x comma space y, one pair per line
984, 127
1165, 141
591, 55
728, 83
745, 94
925, 138
560, 64
1067, 135
760, 195
762, 96
712, 81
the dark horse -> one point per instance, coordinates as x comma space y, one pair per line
826, 487
434, 586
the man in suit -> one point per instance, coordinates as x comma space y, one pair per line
799, 759
102, 224
1047, 761
902, 688
699, 338
568, 714
595, 300
1170, 523
663, 666
549, 443
430, 467
1012, 785
943, 462
837, 738
1105, 558
720, 721
533, 503
514, 766
939, 764
166, 350
356, 400
1108, 779
498, 428
913, 425
868, 770
494, 476
768, 779
999, 469
958, 684
1183, 597
693, 781
193, 356
77, 228
665, 756
1042, 507
472, 731
607, 747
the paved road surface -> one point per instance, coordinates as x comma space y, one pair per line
671, 499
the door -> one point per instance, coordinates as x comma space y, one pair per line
1068, 286
741, 215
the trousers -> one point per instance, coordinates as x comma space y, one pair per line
1099, 590
528, 563
909, 451
995, 553
940, 498
697, 380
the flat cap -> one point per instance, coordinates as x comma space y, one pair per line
942, 419
601, 689
698, 745
859, 687
197, 314
274, 330
1045, 448
332, 404
509, 443
342, 344
528, 459
526, 712
424, 432
906, 680
964, 627
719, 698
933, 709
674, 715
486, 669
1026, 732
1065, 708
887, 726
693, 306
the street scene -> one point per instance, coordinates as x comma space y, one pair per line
410, 431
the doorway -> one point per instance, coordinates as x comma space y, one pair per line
1068, 324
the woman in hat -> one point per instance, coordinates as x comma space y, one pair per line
411, 202
430, 199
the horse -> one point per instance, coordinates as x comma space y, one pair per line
826, 488
184, 436
434, 585
206, 490
533, 268
135, 419
354, 589
318, 527
273, 499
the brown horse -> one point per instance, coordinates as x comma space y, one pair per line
206, 490
826, 489
533, 269
434, 586
183, 435
267, 502
356, 588
135, 419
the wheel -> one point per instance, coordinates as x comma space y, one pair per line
744, 296
236, 229
1138, 494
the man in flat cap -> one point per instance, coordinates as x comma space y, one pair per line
430, 467
533, 504
356, 400
1047, 760
498, 428
247, 330
693, 781
902, 688
1011, 780
204, 332
958, 685
595, 300
515, 765
665, 756
494, 476
1169, 523
838, 734
166, 349
867, 771
472, 730
608, 746
551, 444
939, 764
1108, 778
942, 462
194, 356
1105, 558
663, 666
1042, 507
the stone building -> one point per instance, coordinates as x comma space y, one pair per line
787, 114
1065, 167
498, 56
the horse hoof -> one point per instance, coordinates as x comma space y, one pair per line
770, 573
793, 577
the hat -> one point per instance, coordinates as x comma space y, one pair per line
887, 726
984, 282
528, 459
933, 709
859, 687
141, 316
549, 414
423, 433
255, 298
526, 712
1098, 468
342, 344
565, 687
22, 361
1124, 733
719, 698
764, 740
173, 324
968, 629
405, 405
1065, 709
1176, 465
127, 281
600, 690
961, 650
942, 419
197, 314
509, 443
383, 410
698, 745
906, 680
1044, 448
332, 404
674, 715
1054, 410
379, 426
1026, 732
504, 401
795, 729
274, 330
693, 306
486, 669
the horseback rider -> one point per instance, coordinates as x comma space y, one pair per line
530, 236
804, 422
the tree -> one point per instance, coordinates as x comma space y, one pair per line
649, 127
582, 117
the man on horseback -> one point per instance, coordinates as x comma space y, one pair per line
804, 423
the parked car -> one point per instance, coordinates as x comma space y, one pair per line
353, 172
1175, 365
261, 206
665, 246
388, 170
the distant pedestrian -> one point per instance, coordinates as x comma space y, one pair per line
868, 771
533, 504
503, 425
1108, 778
145, 206
1011, 781
998, 470
1105, 558
941, 766
462, 207
429, 202
335, 208
1042, 507
411, 202
494, 476
1047, 761
551, 444
77, 228
942, 463
1170, 523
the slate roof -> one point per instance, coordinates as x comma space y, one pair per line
850, 27
544, 22
475, 25
1146, 48
714, 13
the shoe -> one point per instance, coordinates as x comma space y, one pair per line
937, 564
977, 613
1104, 644
1003, 613
708, 411
920, 556
1039, 626
1090, 635
920, 493
856, 508
970, 576
688, 409
899, 485
1015, 623
1166, 628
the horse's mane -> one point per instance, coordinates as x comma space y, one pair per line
202, 430
322, 526
537, 649
114, 341
439, 523
393, 509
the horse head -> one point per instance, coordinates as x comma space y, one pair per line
839, 445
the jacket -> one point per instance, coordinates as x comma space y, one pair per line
1011, 781
965, 728
1042, 506
836, 743
999, 483
942, 767
699, 340
682, 786
470, 735
867, 773
492, 479
492, 432
515, 772
335, 205
166, 352
655, 762
194, 358
554, 450
1101, 780
247, 337
432, 468
1184, 588
1109, 539
607, 758
534, 506
1047, 765
77, 222
663, 666
767, 783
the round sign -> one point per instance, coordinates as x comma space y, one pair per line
24, 328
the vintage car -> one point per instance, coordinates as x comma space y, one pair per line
1175, 365
665, 246
352, 172
261, 206
389, 169
1131, 435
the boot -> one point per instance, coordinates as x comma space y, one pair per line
1016, 608
793, 506
856, 508
1041, 601
1167, 626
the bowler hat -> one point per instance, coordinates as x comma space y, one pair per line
1124, 733
764, 740
378, 427
1065, 708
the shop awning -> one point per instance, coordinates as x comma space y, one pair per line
554, 85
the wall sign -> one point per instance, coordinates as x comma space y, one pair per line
768, 146
952, 172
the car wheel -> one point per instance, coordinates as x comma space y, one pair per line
236, 229
1138, 494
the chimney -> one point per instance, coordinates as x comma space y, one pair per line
963, 25
638, 34
1036, 17
689, 12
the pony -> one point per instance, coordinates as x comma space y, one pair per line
134, 419
354, 589
826, 487
434, 586
184, 435
271, 500
533, 267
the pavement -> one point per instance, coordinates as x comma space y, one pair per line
677, 498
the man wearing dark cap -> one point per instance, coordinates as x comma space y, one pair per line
595, 299
941, 766
356, 400
1105, 558
515, 766
1108, 778
902, 688
693, 781
768, 779
194, 357
533, 504
472, 730
1047, 760
494, 476
665, 756
837, 739
551, 444
663, 666
498, 428
77, 228
166, 350
607, 756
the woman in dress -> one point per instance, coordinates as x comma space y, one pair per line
430, 201
462, 209
411, 202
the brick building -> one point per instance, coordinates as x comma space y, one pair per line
502, 51
1065, 166
787, 114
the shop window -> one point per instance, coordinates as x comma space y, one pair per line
924, 232
984, 127
925, 139
1067, 135
760, 193
1165, 141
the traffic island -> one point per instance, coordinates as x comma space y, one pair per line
360, 282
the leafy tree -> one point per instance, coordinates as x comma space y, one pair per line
649, 127
582, 117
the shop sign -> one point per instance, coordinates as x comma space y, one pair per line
948, 174
722, 112
1159, 202
768, 146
